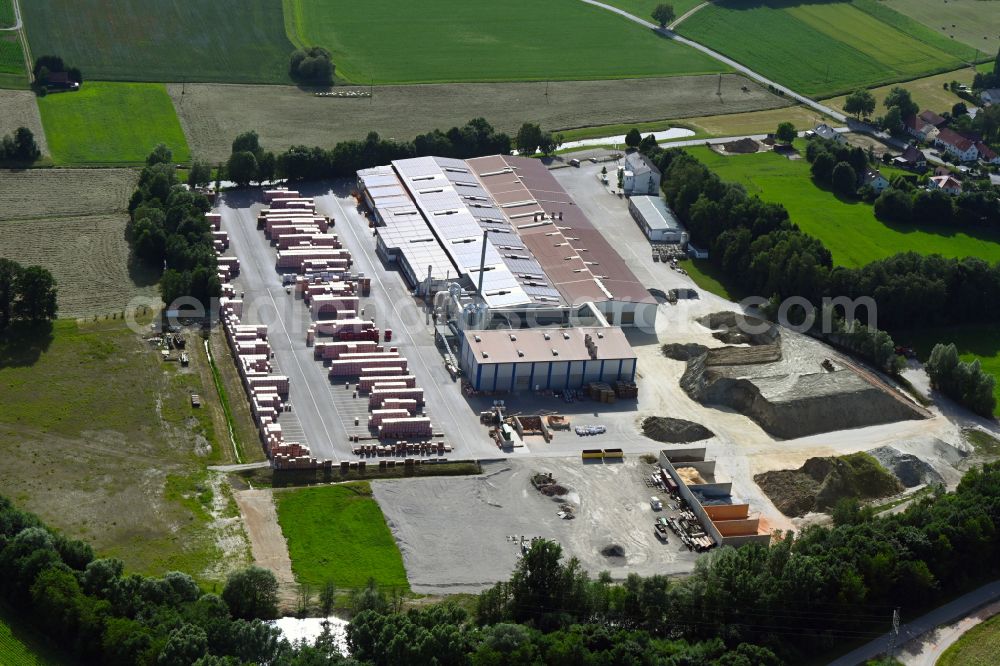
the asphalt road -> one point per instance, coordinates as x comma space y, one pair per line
943, 615
323, 413
669, 34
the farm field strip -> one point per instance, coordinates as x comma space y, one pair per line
780, 42
848, 228
384, 41
338, 533
18, 108
238, 41
111, 124
7, 16
212, 115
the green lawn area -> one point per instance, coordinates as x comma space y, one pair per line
387, 41
12, 74
977, 647
239, 41
338, 533
973, 22
973, 342
710, 278
848, 228
111, 123
21, 646
862, 43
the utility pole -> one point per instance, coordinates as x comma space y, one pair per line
894, 634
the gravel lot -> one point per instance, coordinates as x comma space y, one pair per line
212, 115
453, 531
19, 109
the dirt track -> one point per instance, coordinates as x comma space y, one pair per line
267, 543
212, 115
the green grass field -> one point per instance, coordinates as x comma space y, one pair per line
12, 74
862, 43
7, 18
973, 22
111, 123
848, 228
973, 342
238, 41
20, 646
386, 41
338, 533
977, 647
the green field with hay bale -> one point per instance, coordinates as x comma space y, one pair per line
384, 41
111, 124
235, 41
338, 533
824, 49
972, 22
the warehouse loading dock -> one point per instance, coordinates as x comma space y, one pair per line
726, 522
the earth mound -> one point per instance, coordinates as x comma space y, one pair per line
822, 482
674, 431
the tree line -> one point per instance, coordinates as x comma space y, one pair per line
27, 293
755, 244
96, 611
966, 383
756, 605
167, 231
249, 162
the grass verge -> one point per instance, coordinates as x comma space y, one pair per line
266, 478
338, 533
710, 278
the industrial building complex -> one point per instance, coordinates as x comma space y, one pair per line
504, 240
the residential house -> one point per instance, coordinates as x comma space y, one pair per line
912, 158
641, 176
874, 179
953, 142
824, 131
987, 154
920, 129
991, 96
949, 184
932, 118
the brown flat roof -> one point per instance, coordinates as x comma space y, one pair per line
576, 257
502, 346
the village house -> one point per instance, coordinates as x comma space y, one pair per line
949, 184
874, 179
962, 148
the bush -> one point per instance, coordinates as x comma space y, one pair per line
252, 594
311, 65
19, 147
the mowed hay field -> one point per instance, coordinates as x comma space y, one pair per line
848, 228
19, 109
72, 222
823, 49
167, 40
111, 123
12, 73
974, 22
338, 533
99, 438
212, 115
387, 41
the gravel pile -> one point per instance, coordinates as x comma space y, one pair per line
908, 468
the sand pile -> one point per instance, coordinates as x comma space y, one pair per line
908, 468
690, 476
